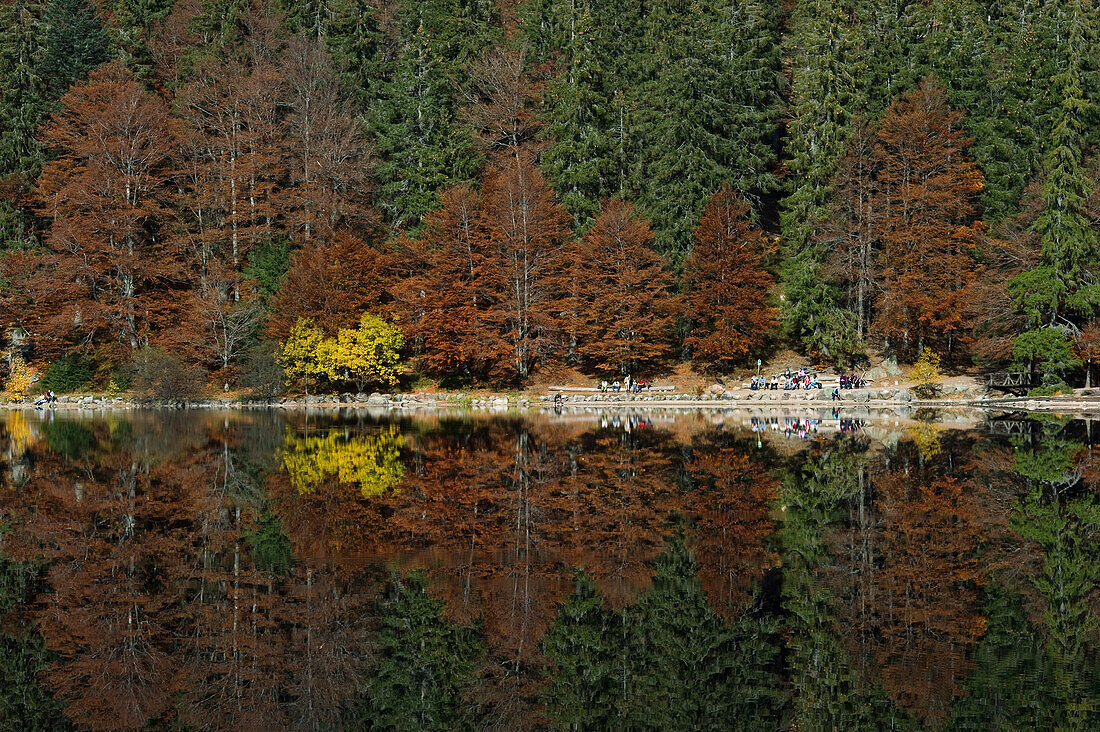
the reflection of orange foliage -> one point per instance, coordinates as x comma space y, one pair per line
500, 515
730, 506
333, 519
917, 608
1088, 462
156, 613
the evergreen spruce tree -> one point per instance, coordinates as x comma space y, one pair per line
24, 98
221, 22
359, 48
578, 161
420, 146
131, 22
76, 43
548, 26
1062, 291
1070, 249
708, 111
986, 58
827, 59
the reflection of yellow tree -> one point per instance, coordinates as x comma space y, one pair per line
20, 433
926, 436
373, 462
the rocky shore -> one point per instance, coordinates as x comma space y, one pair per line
899, 399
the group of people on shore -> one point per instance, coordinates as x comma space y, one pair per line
45, 398
632, 386
787, 381
851, 381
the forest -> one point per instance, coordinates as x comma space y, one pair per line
244, 194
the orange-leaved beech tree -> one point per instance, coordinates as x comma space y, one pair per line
333, 283
452, 322
231, 165
326, 154
528, 233
620, 294
727, 285
117, 275
929, 188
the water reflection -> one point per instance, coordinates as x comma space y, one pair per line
261, 571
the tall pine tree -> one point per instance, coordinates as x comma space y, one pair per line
23, 106
420, 146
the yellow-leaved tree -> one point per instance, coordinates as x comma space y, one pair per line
926, 374
369, 354
302, 352
20, 378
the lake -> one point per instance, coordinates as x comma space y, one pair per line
706, 570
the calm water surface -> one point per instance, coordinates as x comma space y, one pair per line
269, 571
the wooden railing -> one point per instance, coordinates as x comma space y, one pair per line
1012, 381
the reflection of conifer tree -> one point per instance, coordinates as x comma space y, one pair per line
1013, 685
830, 694
1066, 530
667, 662
689, 669
423, 664
585, 655
24, 704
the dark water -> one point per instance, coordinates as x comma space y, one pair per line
246, 571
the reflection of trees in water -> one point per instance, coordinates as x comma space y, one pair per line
423, 664
498, 513
187, 580
831, 691
728, 507
667, 661
155, 612
1058, 517
371, 461
893, 568
24, 702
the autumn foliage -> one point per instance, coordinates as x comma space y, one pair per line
728, 285
620, 295
111, 273
931, 234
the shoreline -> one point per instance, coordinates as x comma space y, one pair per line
895, 401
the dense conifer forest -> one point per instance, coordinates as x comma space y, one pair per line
352, 192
